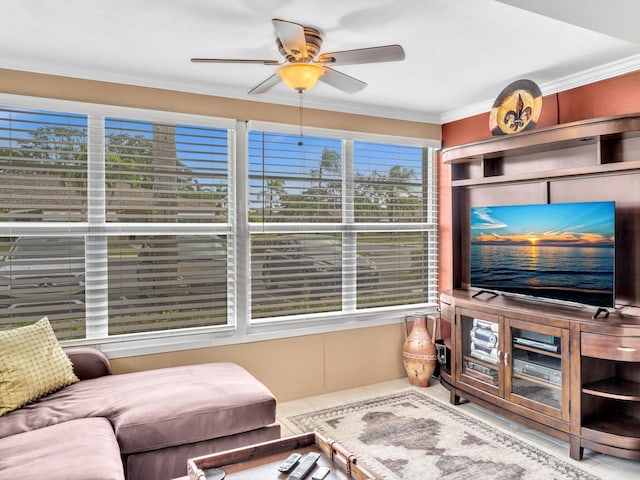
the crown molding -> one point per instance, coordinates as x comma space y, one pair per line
603, 72
592, 75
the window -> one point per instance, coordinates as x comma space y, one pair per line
43, 196
339, 225
146, 226
163, 173
106, 219
43, 276
394, 207
166, 282
43, 166
158, 174
289, 183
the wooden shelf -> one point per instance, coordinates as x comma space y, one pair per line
546, 353
537, 381
622, 431
616, 388
607, 168
546, 139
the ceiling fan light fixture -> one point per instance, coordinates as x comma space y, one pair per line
300, 76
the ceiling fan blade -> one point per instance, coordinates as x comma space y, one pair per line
234, 60
268, 84
385, 53
342, 81
292, 37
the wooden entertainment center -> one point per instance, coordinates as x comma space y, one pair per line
554, 367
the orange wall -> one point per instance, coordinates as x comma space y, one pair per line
611, 97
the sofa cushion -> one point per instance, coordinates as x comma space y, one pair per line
32, 364
77, 450
88, 362
175, 406
158, 408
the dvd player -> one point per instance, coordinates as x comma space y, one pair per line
482, 368
549, 347
535, 370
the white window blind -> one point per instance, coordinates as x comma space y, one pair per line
43, 188
389, 183
291, 183
43, 276
121, 227
165, 173
343, 225
43, 166
166, 282
394, 193
156, 174
402, 268
93, 278
298, 273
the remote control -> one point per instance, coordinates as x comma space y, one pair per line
289, 462
304, 467
320, 473
213, 473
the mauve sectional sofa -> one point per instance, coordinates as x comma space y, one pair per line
134, 426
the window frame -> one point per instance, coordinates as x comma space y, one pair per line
240, 328
350, 228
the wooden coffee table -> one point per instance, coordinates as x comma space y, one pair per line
262, 460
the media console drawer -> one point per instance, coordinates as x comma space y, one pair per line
626, 349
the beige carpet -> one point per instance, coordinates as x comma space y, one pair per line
409, 435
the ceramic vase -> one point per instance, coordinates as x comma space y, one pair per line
419, 353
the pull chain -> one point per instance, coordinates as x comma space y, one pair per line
300, 142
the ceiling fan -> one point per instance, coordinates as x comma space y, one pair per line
304, 65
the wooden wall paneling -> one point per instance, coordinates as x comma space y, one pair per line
625, 191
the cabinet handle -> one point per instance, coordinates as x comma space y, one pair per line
626, 349
506, 359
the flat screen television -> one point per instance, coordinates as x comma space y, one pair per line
558, 251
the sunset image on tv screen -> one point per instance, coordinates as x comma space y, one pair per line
561, 251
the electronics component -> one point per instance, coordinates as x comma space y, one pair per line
305, 466
535, 370
213, 473
549, 347
489, 355
290, 462
320, 473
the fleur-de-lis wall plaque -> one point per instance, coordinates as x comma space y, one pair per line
516, 109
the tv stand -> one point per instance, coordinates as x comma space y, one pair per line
604, 311
561, 371
589, 389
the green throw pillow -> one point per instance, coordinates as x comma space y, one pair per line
32, 364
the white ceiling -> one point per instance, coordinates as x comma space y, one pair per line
459, 53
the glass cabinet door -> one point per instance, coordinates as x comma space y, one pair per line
536, 373
481, 361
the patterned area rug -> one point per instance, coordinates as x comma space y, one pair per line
409, 435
